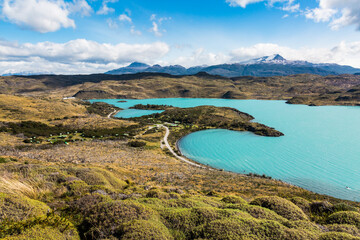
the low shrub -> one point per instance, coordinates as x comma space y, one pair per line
157, 194
18, 208
302, 203
43, 233
233, 200
337, 236
137, 144
344, 207
104, 220
145, 229
259, 212
232, 229
346, 217
281, 206
50, 226
350, 229
303, 225
321, 208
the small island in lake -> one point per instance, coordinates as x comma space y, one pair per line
151, 107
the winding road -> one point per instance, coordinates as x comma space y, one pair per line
167, 133
110, 114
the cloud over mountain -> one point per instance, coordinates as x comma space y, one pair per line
81, 55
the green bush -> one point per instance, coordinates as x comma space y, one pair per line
258, 212
179, 218
228, 229
304, 225
346, 217
281, 206
77, 188
104, 219
233, 229
157, 194
50, 226
321, 208
137, 144
344, 207
43, 233
233, 200
18, 208
144, 229
302, 203
337, 236
346, 228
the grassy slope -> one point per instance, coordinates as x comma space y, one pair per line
108, 190
17, 108
320, 89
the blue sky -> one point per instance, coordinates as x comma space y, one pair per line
86, 36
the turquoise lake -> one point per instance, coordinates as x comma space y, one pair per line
319, 152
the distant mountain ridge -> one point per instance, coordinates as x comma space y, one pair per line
266, 66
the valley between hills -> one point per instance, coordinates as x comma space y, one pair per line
68, 171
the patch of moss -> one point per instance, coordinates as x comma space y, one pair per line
60, 226
18, 208
77, 188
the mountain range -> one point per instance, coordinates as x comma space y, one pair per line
267, 66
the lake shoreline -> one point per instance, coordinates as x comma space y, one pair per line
298, 149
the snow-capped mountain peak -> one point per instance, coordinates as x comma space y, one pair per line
275, 58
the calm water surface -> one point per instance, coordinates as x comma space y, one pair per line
319, 152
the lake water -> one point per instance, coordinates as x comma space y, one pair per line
319, 152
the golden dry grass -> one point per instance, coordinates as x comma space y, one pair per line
17, 108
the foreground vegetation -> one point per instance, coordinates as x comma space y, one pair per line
108, 186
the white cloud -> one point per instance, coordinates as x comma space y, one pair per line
80, 6
291, 7
320, 14
339, 13
111, 23
288, 5
40, 15
125, 18
156, 22
242, 3
75, 54
153, 17
134, 31
155, 29
202, 57
344, 53
105, 9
